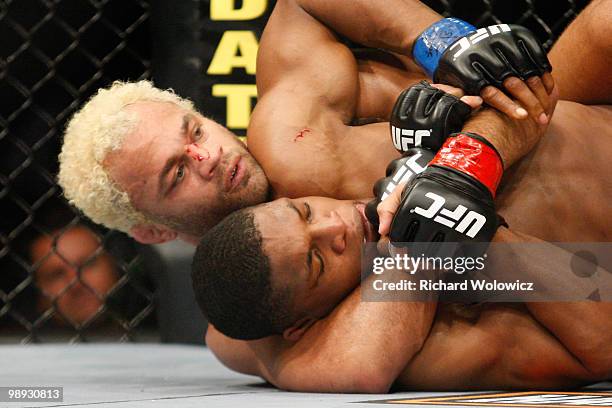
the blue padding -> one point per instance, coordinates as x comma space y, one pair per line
432, 42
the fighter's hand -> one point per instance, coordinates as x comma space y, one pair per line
387, 208
399, 172
488, 62
424, 115
529, 98
451, 201
389, 189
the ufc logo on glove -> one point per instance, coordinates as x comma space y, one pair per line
404, 139
450, 218
466, 42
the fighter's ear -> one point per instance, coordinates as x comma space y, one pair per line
295, 332
152, 233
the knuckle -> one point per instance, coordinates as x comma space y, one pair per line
533, 81
513, 83
489, 92
383, 208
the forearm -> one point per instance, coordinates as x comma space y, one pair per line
393, 26
583, 327
513, 139
361, 347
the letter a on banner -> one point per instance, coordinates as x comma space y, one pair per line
237, 49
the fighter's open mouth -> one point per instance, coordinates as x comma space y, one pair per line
235, 173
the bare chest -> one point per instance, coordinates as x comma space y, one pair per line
562, 190
343, 162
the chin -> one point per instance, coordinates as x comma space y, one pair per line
257, 188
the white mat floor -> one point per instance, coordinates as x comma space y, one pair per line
154, 375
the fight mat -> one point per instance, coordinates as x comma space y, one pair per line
155, 375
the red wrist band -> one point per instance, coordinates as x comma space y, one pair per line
473, 157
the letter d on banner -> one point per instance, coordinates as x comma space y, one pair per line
226, 9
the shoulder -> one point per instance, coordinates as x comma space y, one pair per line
296, 147
234, 354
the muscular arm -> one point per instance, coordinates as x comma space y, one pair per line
396, 24
585, 327
510, 138
585, 76
360, 347
393, 25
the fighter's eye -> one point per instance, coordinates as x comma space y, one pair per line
321, 263
180, 173
308, 212
197, 133
315, 262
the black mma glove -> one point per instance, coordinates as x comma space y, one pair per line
399, 171
454, 52
424, 116
452, 200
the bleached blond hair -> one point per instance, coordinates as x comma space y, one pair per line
99, 127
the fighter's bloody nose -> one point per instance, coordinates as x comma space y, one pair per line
197, 152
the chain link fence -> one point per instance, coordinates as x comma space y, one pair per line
547, 19
61, 278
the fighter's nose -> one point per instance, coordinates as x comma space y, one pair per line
207, 159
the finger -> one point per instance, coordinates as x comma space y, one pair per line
387, 209
382, 246
554, 98
385, 218
537, 88
458, 92
474, 102
522, 93
500, 101
548, 81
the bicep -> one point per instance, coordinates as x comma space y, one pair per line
299, 54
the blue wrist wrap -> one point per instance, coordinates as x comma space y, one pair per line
431, 44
